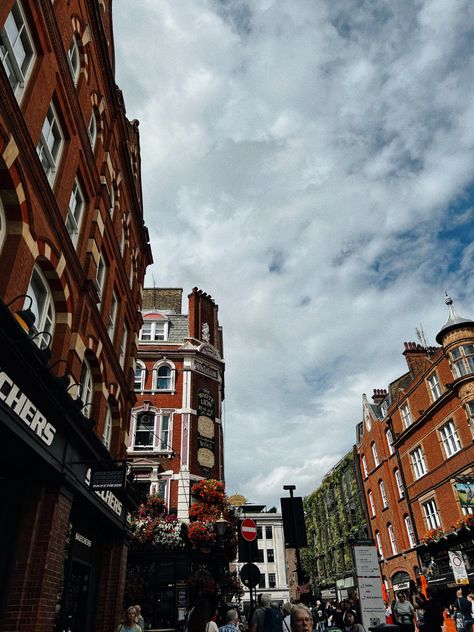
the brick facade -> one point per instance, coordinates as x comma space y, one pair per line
427, 415
72, 237
177, 373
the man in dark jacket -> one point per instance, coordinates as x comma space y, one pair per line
433, 617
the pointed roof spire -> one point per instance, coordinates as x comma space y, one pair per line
454, 320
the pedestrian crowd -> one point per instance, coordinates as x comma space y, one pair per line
411, 612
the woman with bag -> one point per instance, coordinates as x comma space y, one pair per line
404, 613
129, 623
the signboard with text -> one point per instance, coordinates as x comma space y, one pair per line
370, 585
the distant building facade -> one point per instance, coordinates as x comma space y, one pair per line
271, 559
176, 424
416, 453
335, 518
73, 253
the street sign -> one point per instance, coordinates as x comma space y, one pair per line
105, 479
250, 575
456, 560
248, 529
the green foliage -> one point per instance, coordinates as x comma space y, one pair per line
334, 517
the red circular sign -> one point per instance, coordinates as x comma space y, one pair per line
248, 529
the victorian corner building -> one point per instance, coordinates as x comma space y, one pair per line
416, 455
73, 253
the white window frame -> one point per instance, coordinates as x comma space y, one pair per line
75, 212
112, 198
389, 437
364, 466
384, 408
152, 332
418, 462
74, 59
123, 347
378, 540
140, 366
107, 433
407, 417
92, 129
86, 388
113, 316
17, 51
3, 225
462, 360
391, 537
431, 514
410, 531
398, 480
470, 415
450, 439
50, 144
161, 430
171, 378
42, 306
383, 495
434, 386
122, 241
371, 504
101, 273
375, 455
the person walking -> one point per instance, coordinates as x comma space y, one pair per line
463, 610
301, 619
129, 623
404, 613
231, 622
257, 623
350, 624
140, 619
432, 614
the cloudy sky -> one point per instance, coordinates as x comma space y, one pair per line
310, 165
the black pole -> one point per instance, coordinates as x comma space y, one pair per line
291, 488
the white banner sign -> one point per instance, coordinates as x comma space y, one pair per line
366, 561
459, 569
370, 586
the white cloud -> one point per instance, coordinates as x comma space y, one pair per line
299, 164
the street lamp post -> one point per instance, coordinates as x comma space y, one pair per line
291, 489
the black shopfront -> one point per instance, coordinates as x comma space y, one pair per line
58, 536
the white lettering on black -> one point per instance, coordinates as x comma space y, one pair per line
26, 410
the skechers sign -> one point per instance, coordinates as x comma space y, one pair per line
19, 403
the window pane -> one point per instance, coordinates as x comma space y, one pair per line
145, 431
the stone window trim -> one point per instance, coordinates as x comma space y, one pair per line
164, 380
152, 434
434, 386
431, 513
51, 143
406, 416
75, 212
42, 306
140, 376
449, 439
418, 462
17, 51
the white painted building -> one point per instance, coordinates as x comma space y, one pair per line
271, 546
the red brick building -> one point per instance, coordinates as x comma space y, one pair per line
416, 453
72, 239
176, 425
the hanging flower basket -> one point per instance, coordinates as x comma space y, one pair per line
209, 490
201, 534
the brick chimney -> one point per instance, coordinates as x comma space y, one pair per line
379, 395
416, 357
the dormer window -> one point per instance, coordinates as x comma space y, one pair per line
462, 360
406, 415
154, 329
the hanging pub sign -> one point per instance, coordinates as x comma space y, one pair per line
103, 479
206, 411
465, 490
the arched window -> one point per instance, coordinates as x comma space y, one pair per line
389, 436
140, 373
393, 542
42, 307
86, 386
410, 531
378, 539
383, 494
3, 225
372, 504
107, 433
164, 376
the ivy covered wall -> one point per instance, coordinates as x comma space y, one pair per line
335, 517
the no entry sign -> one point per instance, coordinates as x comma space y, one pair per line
248, 528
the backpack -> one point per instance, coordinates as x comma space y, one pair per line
272, 620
